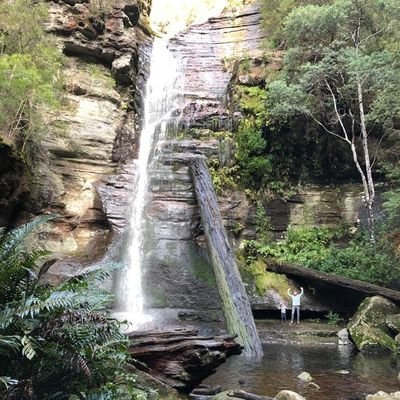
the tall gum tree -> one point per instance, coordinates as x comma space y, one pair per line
342, 69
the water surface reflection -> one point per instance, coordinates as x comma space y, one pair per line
327, 364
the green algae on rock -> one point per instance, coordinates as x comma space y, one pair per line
368, 327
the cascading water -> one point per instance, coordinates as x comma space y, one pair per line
159, 102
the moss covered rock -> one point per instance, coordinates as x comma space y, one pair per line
393, 322
368, 328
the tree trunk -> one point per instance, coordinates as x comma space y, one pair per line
236, 305
180, 358
370, 195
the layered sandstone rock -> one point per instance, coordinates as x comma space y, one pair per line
86, 170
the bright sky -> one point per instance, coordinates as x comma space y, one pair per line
172, 16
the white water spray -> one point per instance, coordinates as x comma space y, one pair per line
159, 102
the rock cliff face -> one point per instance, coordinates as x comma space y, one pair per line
177, 271
86, 170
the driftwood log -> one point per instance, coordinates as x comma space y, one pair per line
235, 302
180, 358
307, 274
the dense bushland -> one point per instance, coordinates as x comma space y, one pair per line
30, 75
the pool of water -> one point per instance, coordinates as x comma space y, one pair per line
327, 364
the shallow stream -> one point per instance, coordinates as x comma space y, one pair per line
341, 372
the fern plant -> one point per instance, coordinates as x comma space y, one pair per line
57, 342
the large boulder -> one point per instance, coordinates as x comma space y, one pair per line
368, 328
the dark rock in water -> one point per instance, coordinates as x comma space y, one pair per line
368, 328
180, 358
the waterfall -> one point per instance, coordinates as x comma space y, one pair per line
159, 103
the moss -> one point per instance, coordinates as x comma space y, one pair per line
265, 280
369, 339
203, 270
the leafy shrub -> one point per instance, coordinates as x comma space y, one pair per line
30, 79
57, 343
316, 248
254, 165
333, 318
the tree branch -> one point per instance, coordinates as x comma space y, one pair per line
337, 111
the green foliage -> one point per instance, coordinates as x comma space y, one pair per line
263, 224
254, 165
333, 318
29, 73
252, 101
100, 8
316, 248
57, 342
274, 13
264, 280
325, 62
224, 177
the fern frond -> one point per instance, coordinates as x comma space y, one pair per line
6, 381
9, 344
28, 350
60, 299
6, 317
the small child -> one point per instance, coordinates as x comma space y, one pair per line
282, 306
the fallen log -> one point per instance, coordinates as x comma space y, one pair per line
367, 289
241, 394
181, 359
235, 302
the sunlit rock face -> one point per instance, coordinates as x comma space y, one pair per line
85, 173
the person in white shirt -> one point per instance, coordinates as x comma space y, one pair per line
295, 303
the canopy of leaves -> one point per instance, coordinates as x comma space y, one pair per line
331, 49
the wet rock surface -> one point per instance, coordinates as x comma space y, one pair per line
304, 333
